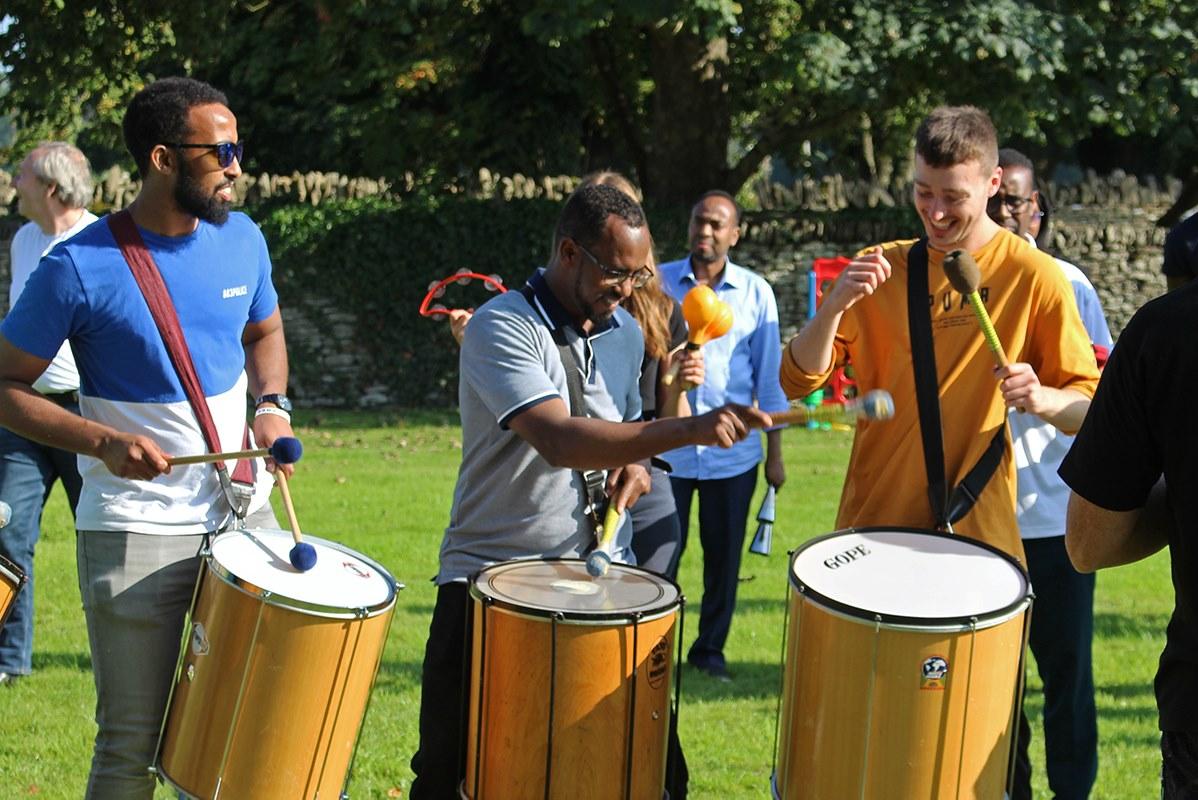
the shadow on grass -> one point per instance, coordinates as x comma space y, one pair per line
1127, 691
51, 660
332, 420
398, 675
1108, 625
750, 680
755, 605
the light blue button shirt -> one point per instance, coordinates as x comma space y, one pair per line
741, 366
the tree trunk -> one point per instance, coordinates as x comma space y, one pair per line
691, 116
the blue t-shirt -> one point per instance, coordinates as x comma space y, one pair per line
219, 279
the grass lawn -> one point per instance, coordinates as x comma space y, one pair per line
381, 484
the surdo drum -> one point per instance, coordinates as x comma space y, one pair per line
903, 667
570, 682
275, 671
11, 581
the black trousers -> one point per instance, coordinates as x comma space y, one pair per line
440, 761
1179, 766
1060, 638
723, 516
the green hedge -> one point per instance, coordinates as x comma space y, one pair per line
375, 259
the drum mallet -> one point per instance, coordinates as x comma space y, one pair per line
284, 450
875, 405
965, 276
302, 555
600, 558
963, 273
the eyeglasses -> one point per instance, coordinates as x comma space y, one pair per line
225, 151
614, 277
1014, 203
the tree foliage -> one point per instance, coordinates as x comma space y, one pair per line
685, 95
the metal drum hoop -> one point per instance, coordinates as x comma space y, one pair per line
648, 613
270, 598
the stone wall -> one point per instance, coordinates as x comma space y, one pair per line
115, 188
1106, 225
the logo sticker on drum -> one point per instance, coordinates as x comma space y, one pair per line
659, 663
199, 640
934, 673
354, 569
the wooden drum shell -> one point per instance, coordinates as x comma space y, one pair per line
269, 699
595, 697
859, 719
11, 581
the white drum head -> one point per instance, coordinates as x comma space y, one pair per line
564, 586
909, 576
340, 579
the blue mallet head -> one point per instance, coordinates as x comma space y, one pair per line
598, 562
302, 556
286, 450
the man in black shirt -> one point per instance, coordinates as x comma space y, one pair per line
1140, 427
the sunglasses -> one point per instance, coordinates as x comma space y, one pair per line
225, 151
614, 277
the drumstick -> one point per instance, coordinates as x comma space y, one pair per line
963, 273
284, 450
302, 555
875, 405
600, 558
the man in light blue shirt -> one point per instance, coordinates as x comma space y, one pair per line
742, 367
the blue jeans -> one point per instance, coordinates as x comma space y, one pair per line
27, 474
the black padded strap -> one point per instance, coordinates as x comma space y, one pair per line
927, 386
593, 479
946, 508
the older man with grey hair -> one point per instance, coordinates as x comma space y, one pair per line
54, 186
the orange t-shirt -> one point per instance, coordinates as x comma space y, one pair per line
1036, 319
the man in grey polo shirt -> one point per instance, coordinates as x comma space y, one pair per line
519, 494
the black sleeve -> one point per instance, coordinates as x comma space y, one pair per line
1115, 460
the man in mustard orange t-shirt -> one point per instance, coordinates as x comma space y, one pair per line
1052, 372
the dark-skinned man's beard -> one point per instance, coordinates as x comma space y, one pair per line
192, 198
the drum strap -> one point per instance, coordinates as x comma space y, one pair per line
239, 489
946, 508
593, 480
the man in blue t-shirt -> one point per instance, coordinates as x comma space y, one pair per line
141, 523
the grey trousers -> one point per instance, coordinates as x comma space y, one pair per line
136, 591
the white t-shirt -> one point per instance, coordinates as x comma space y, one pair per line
27, 249
1042, 497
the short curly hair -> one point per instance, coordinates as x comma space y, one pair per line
586, 211
158, 114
